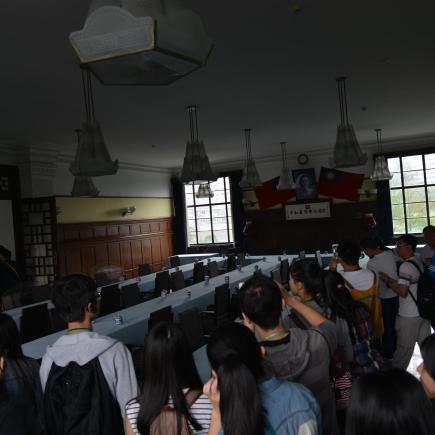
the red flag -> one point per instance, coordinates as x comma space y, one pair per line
339, 184
268, 196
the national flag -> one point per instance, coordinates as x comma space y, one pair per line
339, 184
268, 196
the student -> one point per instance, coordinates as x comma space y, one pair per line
20, 380
244, 400
171, 383
297, 355
87, 361
363, 283
11, 420
429, 249
383, 260
427, 367
410, 327
389, 403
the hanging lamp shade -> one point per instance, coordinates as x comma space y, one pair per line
196, 166
380, 171
92, 158
141, 42
347, 151
84, 186
250, 178
204, 191
285, 180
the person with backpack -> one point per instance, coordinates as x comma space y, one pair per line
246, 401
294, 354
171, 401
87, 378
411, 328
20, 380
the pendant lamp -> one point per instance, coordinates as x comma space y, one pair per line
83, 186
250, 178
137, 42
347, 151
196, 166
204, 191
380, 171
92, 157
285, 180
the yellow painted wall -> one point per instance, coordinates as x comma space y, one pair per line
75, 210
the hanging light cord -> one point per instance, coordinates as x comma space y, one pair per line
342, 99
248, 144
379, 140
88, 95
284, 154
193, 123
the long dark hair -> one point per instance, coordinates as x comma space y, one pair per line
235, 356
310, 274
10, 337
389, 403
428, 354
168, 368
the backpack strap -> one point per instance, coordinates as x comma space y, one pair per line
192, 396
420, 273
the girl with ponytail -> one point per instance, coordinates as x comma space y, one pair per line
244, 401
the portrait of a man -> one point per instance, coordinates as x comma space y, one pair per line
305, 181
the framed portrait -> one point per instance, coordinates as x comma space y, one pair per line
305, 181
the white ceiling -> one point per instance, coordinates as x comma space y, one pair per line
271, 70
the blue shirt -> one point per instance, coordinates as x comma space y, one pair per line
291, 409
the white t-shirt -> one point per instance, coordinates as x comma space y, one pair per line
426, 252
359, 279
201, 410
384, 262
409, 276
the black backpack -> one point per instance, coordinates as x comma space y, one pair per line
78, 401
425, 294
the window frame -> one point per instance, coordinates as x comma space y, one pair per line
400, 154
227, 203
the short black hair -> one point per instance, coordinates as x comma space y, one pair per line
349, 251
72, 294
5, 252
260, 300
372, 243
410, 240
428, 229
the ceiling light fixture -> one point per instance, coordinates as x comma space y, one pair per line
141, 42
204, 191
285, 180
250, 178
92, 157
196, 166
380, 171
347, 151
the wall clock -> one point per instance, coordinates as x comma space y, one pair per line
302, 159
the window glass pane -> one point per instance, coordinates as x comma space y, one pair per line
396, 181
228, 195
416, 225
398, 226
205, 237
429, 160
190, 213
218, 211
413, 178
189, 199
191, 226
417, 209
203, 212
220, 236
231, 236
431, 193
394, 164
203, 224
191, 238
397, 211
217, 185
432, 209
188, 188
415, 194
229, 210
412, 163
219, 196
202, 201
396, 196
430, 176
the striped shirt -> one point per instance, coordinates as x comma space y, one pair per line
201, 410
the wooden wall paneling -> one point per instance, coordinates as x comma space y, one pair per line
89, 246
101, 256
